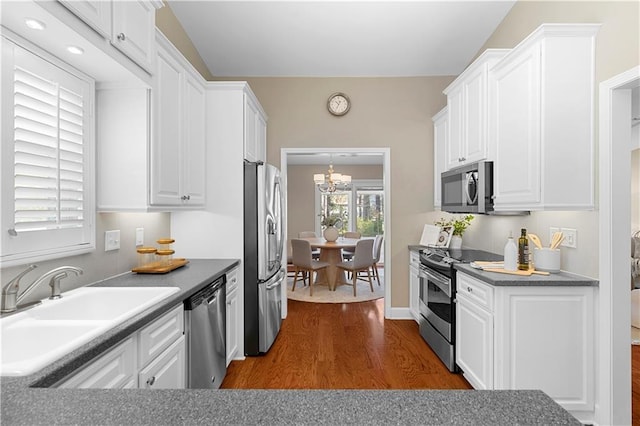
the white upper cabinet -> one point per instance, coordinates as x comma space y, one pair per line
134, 24
178, 148
95, 13
468, 101
541, 120
128, 25
440, 139
151, 142
255, 140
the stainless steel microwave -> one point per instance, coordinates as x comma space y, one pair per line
468, 189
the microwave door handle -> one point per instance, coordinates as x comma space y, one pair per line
470, 176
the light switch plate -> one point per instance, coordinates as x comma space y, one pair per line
111, 240
139, 237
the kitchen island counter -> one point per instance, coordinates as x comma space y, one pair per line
28, 406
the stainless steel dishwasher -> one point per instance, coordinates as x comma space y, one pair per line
205, 325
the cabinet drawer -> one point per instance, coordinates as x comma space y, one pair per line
475, 290
161, 333
232, 280
114, 370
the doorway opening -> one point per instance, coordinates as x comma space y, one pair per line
357, 199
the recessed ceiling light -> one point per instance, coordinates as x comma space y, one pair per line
34, 24
75, 50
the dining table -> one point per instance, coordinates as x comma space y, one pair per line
331, 252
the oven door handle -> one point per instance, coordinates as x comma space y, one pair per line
443, 282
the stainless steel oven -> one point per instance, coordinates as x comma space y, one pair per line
437, 298
436, 301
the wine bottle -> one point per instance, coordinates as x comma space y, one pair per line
523, 251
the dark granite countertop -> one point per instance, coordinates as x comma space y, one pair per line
24, 400
561, 279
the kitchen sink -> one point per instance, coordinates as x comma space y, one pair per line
100, 303
38, 336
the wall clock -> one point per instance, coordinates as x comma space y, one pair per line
338, 104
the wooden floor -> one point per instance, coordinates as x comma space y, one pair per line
352, 346
635, 384
344, 346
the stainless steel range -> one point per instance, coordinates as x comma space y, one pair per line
437, 298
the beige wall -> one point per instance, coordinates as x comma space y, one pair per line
301, 212
385, 112
396, 113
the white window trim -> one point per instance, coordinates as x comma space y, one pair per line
6, 152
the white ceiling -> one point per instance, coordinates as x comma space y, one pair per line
338, 38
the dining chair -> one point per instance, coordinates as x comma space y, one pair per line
310, 234
377, 248
303, 262
362, 261
347, 253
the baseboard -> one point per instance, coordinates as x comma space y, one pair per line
400, 314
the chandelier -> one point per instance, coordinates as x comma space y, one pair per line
334, 181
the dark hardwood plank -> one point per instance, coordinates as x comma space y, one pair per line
344, 346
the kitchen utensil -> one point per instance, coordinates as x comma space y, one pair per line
534, 238
522, 273
546, 259
556, 240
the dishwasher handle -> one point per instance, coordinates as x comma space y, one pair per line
204, 296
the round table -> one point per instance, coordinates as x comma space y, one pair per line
331, 252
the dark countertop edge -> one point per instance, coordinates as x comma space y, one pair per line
189, 278
561, 279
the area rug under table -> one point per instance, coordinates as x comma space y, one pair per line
343, 293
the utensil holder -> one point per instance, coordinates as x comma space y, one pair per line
546, 259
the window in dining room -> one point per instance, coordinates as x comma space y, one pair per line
362, 205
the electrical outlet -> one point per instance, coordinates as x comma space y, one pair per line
139, 237
111, 240
570, 237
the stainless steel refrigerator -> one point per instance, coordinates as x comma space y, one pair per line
264, 275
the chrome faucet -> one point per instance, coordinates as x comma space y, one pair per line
55, 276
10, 298
10, 291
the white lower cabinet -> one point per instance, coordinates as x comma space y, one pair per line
232, 315
414, 283
167, 371
528, 337
153, 357
474, 344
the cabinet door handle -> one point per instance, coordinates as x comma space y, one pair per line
185, 197
151, 381
469, 289
122, 37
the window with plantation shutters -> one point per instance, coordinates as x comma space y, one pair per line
47, 159
48, 154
